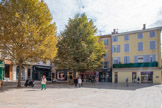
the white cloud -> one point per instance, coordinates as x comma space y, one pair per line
108, 14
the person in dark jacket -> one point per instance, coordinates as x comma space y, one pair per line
75, 82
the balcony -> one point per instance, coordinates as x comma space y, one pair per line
136, 65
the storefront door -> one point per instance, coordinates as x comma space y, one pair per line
134, 75
147, 77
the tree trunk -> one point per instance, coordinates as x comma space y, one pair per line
19, 77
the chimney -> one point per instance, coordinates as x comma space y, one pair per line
144, 26
114, 31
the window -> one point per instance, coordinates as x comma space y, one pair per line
126, 37
140, 46
139, 35
105, 65
116, 60
140, 59
152, 45
105, 41
115, 39
126, 47
126, 59
115, 48
152, 34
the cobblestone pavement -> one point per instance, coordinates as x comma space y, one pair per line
91, 95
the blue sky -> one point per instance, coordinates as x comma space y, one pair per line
124, 15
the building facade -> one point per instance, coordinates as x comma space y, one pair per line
105, 74
137, 55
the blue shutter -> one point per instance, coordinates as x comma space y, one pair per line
118, 60
140, 46
139, 35
118, 50
126, 37
107, 42
154, 57
152, 45
152, 34
135, 59
125, 59
147, 58
112, 39
128, 59
112, 49
126, 47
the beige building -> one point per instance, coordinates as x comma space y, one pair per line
136, 55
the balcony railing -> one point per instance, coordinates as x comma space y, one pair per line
136, 65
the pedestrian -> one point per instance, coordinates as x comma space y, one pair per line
126, 81
75, 81
79, 82
138, 80
44, 82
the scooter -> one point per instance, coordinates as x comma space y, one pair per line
29, 83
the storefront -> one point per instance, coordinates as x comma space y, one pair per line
61, 75
89, 76
146, 77
105, 75
39, 71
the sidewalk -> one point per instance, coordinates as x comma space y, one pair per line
91, 95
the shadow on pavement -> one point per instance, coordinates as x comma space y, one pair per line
97, 85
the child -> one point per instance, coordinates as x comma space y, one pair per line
44, 82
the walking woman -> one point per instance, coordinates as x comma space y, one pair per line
44, 82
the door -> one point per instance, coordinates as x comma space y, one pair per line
134, 75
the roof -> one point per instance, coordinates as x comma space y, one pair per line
137, 31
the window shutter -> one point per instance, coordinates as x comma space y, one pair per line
112, 49
116, 38
139, 35
152, 34
112, 39
128, 59
118, 48
154, 57
135, 59
152, 45
147, 58
107, 42
126, 47
140, 46
118, 59
125, 59
126, 37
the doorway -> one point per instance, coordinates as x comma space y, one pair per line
7, 70
134, 75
